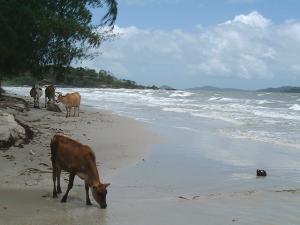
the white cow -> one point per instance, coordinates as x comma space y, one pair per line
36, 92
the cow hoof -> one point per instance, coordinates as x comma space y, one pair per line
55, 195
63, 200
88, 203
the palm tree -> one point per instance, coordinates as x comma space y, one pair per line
111, 15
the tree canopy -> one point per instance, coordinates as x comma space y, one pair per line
80, 77
39, 34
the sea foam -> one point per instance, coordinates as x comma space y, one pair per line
295, 107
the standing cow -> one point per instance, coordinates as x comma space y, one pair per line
71, 100
49, 94
36, 92
77, 159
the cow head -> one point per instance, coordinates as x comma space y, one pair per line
99, 193
59, 97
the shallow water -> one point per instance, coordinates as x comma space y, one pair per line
37, 207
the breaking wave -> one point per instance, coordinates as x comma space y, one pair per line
274, 118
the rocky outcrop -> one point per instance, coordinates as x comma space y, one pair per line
51, 106
9, 103
11, 132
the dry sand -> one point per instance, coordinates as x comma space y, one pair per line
26, 180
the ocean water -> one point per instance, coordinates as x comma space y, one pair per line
265, 117
229, 134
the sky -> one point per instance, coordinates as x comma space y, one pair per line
247, 44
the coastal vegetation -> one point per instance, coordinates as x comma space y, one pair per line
38, 36
40, 39
78, 77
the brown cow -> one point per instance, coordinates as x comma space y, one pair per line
77, 159
49, 94
70, 100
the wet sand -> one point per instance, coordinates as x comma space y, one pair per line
38, 207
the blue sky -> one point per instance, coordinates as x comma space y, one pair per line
184, 43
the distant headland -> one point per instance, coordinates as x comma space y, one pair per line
283, 89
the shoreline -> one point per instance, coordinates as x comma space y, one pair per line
106, 133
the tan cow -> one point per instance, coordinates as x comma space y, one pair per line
77, 159
70, 100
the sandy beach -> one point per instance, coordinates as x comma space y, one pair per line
26, 183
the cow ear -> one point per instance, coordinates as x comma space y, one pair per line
106, 185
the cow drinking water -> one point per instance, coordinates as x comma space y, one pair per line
77, 159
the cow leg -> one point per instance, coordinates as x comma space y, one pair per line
67, 111
34, 102
88, 201
54, 178
58, 172
38, 103
70, 185
74, 111
78, 111
45, 101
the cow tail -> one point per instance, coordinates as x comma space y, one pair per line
53, 146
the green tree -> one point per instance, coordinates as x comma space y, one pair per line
41, 35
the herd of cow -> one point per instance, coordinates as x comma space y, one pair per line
70, 100
70, 155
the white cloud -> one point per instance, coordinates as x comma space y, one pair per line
247, 47
253, 19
